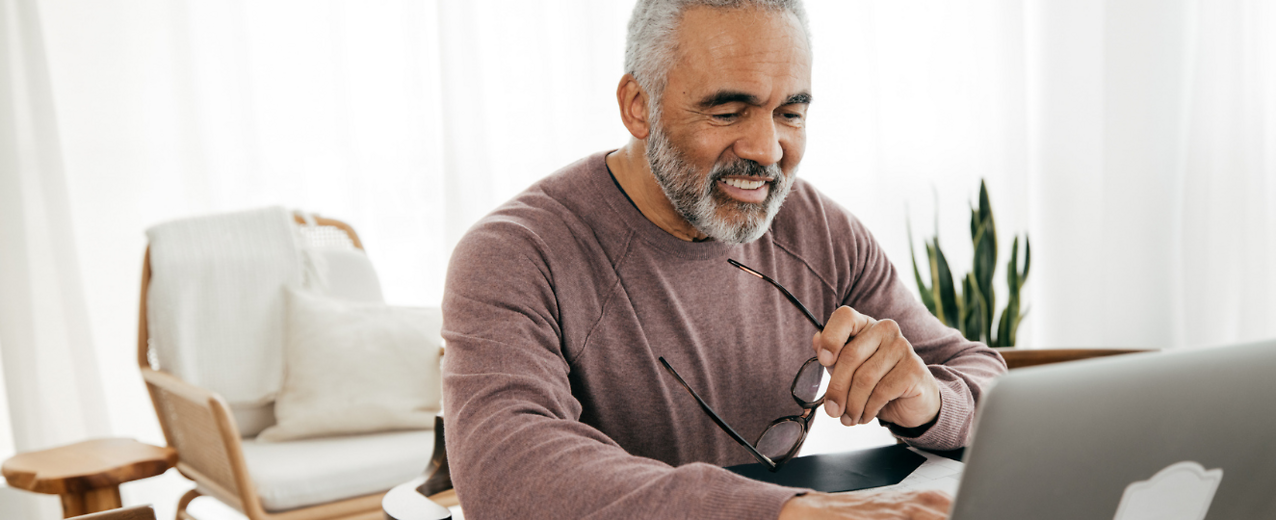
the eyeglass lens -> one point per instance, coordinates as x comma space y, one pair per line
806, 386
779, 439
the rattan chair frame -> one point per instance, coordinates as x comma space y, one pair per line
198, 424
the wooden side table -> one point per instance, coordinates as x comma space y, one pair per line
127, 513
87, 474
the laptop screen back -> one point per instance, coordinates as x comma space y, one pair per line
1086, 439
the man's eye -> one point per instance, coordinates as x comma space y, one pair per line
726, 117
793, 119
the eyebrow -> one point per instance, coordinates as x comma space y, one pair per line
801, 98
730, 96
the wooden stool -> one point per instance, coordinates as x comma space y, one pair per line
87, 474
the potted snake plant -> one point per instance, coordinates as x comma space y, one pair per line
970, 306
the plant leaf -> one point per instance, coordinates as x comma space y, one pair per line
947, 294
984, 265
967, 292
1027, 260
928, 298
984, 243
975, 323
1002, 335
1012, 269
1009, 322
974, 224
933, 260
985, 216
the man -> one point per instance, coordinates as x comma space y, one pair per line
559, 304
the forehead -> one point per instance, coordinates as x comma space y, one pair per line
759, 51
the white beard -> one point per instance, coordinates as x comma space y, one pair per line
696, 198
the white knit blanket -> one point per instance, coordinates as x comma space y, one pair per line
216, 300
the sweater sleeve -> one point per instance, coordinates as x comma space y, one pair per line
516, 445
963, 368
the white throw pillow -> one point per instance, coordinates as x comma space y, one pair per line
356, 367
345, 273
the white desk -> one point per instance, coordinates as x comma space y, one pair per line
404, 503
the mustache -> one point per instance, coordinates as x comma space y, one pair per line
744, 168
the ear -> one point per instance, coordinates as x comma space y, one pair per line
633, 107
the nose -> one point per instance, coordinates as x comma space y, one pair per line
760, 143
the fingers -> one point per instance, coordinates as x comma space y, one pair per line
925, 513
931, 505
859, 366
842, 373
925, 505
859, 380
937, 500
867, 380
844, 324
900, 382
873, 370
870, 505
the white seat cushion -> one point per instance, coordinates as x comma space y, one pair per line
302, 473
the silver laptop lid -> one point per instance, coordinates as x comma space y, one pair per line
1083, 440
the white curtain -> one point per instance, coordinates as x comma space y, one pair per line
408, 119
52, 382
1153, 171
1225, 206
1134, 140
51, 373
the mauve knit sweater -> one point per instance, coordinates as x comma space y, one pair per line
559, 302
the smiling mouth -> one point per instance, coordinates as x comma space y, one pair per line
752, 190
745, 184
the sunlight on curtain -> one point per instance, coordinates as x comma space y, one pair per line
52, 378
1153, 177
6, 424
915, 102
1226, 204
407, 119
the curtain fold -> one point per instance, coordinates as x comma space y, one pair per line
1152, 149
1226, 206
52, 379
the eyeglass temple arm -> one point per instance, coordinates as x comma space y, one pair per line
718, 420
787, 294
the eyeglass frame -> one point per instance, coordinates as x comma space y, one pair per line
804, 419
807, 407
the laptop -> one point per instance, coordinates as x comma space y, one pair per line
1177, 435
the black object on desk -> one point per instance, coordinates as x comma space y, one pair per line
837, 472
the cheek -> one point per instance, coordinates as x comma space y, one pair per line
794, 147
706, 148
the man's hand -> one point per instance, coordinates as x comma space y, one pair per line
874, 372
869, 505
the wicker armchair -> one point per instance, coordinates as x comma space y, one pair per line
199, 424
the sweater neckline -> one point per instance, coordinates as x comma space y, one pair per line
610, 193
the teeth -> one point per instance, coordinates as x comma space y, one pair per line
745, 185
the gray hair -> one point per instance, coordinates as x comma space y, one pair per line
649, 44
